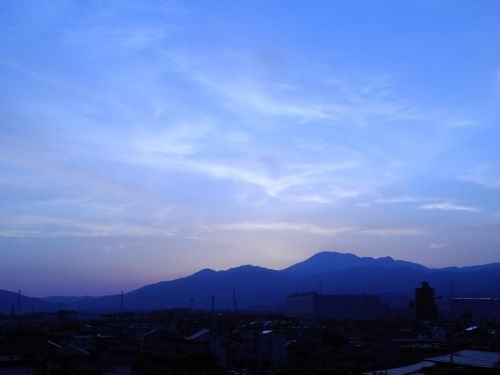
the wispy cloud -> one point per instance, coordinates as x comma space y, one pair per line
314, 198
340, 100
119, 247
483, 175
394, 232
137, 37
294, 175
282, 226
46, 226
432, 203
177, 140
435, 245
242, 93
403, 199
448, 206
322, 230
147, 24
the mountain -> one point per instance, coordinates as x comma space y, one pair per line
257, 287
64, 299
261, 288
327, 261
472, 268
252, 285
11, 302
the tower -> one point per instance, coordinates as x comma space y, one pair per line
425, 305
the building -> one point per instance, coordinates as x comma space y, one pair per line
217, 343
343, 306
270, 350
476, 308
413, 369
425, 304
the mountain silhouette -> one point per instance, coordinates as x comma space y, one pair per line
64, 299
10, 302
253, 287
326, 261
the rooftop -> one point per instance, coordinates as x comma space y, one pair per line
411, 369
474, 358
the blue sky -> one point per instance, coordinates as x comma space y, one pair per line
141, 141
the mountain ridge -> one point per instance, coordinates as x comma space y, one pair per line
333, 261
12, 302
339, 273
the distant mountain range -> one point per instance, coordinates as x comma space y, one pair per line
260, 288
12, 302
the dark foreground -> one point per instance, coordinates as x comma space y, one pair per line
192, 342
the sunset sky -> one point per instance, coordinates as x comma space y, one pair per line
143, 140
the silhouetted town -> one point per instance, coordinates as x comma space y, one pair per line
315, 334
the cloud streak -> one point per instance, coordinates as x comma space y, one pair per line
435, 245
322, 230
45, 226
482, 175
448, 206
